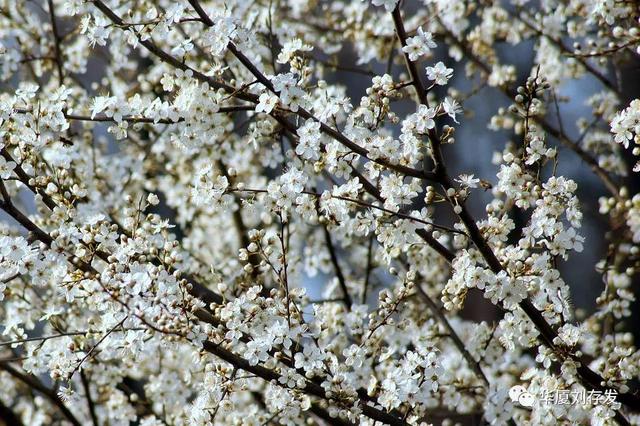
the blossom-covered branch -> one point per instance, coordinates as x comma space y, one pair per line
279, 212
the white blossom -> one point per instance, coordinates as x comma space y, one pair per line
225, 213
419, 45
439, 73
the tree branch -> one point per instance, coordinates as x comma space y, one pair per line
56, 42
165, 57
310, 387
336, 266
8, 416
90, 403
35, 384
548, 334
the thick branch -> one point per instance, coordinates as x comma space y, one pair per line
8, 416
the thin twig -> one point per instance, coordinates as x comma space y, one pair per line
93, 348
56, 42
336, 266
363, 204
43, 338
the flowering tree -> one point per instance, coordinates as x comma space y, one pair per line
176, 174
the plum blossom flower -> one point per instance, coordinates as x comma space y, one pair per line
290, 94
439, 73
267, 102
290, 48
423, 119
319, 242
468, 181
419, 45
451, 107
6, 168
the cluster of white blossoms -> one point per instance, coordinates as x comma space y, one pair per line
247, 213
626, 128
